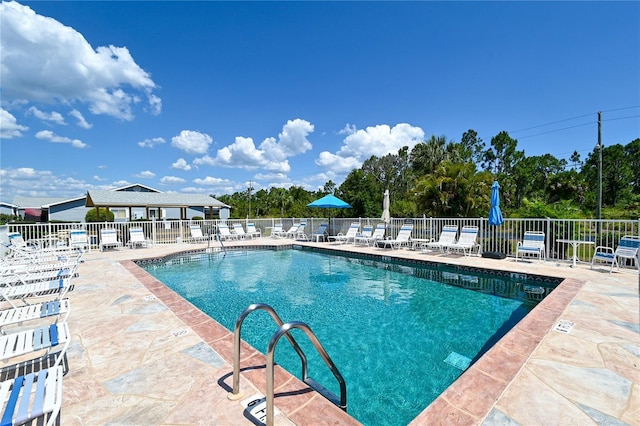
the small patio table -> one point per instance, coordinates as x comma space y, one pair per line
575, 244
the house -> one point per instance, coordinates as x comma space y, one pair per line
130, 202
8, 208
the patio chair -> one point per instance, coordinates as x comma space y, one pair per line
320, 234
109, 239
467, 242
78, 238
35, 289
35, 340
349, 236
402, 239
31, 396
252, 231
361, 237
277, 231
378, 234
448, 236
628, 249
239, 231
225, 233
137, 238
532, 245
291, 233
11, 277
21, 314
197, 235
300, 234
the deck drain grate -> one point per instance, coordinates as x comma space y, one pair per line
564, 326
461, 362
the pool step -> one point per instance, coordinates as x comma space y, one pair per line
461, 362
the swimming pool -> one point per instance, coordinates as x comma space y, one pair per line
398, 336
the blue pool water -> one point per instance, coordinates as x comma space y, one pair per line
398, 336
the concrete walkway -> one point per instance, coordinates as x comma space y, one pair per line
142, 355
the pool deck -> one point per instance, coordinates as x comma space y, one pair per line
142, 355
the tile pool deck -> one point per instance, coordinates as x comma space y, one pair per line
142, 355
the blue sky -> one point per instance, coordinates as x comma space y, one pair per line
205, 97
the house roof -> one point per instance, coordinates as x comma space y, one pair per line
148, 199
37, 202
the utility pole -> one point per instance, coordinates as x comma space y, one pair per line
249, 215
599, 212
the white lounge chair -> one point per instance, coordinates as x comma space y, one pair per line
402, 239
225, 233
31, 341
109, 239
361, 237
320, 234
628, 248
291, 233
348, 237
197, 235
38, 288
277, 231
25, 277
467, 242
531, 245
137, 238
252, 231
378, 234
448, 236
300, 234
21, 314
239, 231
31, 396
78, 238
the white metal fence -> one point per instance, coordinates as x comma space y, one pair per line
503, 238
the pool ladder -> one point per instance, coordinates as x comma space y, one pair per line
284, 330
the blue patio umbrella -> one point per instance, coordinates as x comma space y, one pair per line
495, 215
329, 202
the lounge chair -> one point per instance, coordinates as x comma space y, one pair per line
320, 234
252, 231
109, 239
628, 248
21, 314
34, 340
137, 238
79, 239
34, 289
378, 234
300, 234
291, 233
196, 234
467, 242
402, 239
277, 231
31, 396
239, 231
448, 237
361, 237
532, 245
26, 277
348, 237
225, 233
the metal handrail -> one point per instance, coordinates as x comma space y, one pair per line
285, 330
237, 339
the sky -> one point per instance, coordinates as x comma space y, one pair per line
211, 97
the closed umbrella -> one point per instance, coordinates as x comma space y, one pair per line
495, 215
386, 216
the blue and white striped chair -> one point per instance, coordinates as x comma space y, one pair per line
628, 248
532, 245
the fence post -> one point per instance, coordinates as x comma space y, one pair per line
548, 237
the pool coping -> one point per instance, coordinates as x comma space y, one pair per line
467, 401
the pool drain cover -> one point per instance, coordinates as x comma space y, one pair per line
459, 361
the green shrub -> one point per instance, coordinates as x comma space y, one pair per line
105, 216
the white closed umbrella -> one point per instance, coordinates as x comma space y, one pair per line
386, 216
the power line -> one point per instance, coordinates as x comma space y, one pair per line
553, 122
557, 130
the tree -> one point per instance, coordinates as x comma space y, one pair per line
425, 157
99, 215
472, 147
632, 149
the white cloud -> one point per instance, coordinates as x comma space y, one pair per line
81, 121
171, 180
271, 155
150, 143
211, 181
53, 116
52, 137
192, 142
359, 145
46, 61
145, 175
9, 127
29, 182
181, 164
